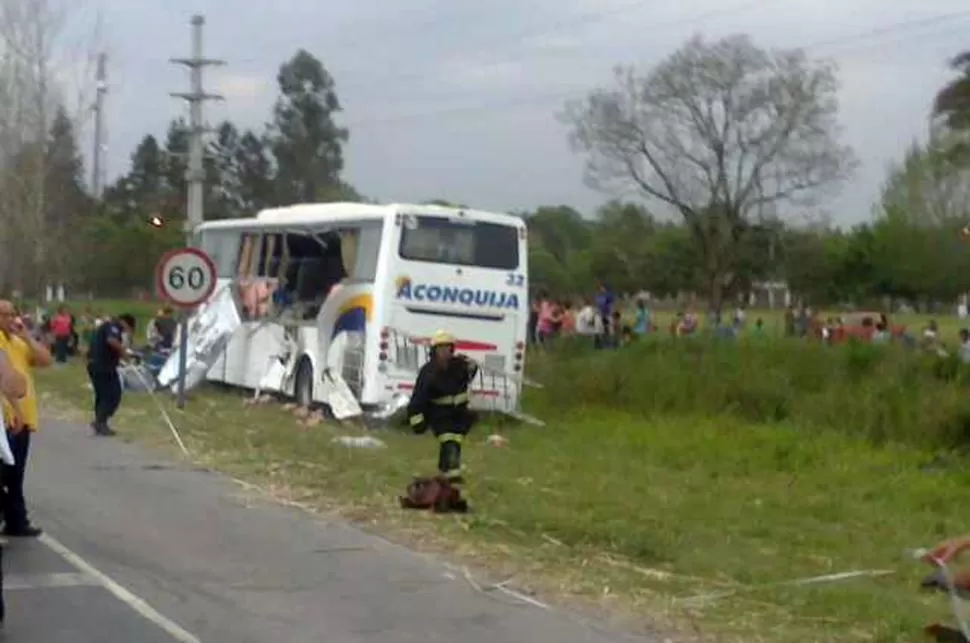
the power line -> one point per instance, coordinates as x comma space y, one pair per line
891, 28
577, 92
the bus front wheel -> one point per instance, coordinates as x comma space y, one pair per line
303, 386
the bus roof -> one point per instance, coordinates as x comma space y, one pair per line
317, 213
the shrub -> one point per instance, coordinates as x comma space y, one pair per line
882, 393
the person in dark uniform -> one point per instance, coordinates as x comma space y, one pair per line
440, 402
104, 356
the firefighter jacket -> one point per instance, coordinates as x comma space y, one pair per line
440, 397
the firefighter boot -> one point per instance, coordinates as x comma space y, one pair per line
449, 460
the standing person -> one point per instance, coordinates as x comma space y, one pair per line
62, 328
964, 345
13, 386
790, 321
588, 322
440, 402
605, 300
533, 327
549, 319
104, 356
568, 326
642, 324
21, 418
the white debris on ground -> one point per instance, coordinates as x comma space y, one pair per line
359, 441
497, 440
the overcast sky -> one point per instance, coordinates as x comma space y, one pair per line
458, 100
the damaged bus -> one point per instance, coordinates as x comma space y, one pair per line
334, 303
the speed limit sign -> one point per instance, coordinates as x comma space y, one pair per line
185, 277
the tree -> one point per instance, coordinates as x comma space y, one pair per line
952, 102
32, 61
559, 240
619, 251
560, 230
139, 193
306, 143
121, 247
723, 133
68, 205
925, 203
814, 266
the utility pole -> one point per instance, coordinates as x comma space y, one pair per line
196, 171
97, 162
196, 97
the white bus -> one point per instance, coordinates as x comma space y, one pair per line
347, 294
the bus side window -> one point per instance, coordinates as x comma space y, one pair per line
265, 286
249, 253
368, 252
223, 247
250, 243
349, 245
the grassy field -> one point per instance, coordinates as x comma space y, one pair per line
643, 499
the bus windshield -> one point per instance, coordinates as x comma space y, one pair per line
481, 244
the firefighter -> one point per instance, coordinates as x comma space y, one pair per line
440, 402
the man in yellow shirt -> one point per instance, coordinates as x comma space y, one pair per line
21, 418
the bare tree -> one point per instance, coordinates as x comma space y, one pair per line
721, 132
37, 61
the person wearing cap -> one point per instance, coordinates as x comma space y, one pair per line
440, 402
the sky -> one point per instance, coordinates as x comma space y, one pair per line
459, 100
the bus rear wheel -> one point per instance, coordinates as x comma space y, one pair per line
303, 386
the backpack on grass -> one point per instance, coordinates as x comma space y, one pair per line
437, 494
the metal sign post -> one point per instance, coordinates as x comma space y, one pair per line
185, 278
183, 357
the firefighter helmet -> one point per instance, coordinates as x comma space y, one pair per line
441, 338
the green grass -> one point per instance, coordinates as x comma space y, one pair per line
633, 506
881, 393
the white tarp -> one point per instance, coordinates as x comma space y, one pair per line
210, 330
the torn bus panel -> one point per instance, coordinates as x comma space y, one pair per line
209, 331
281, 367
338, 396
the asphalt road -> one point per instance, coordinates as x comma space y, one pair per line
139, 549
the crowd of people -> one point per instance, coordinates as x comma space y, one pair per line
596, 317
600, 318
103, 341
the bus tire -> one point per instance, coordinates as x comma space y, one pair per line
303, 385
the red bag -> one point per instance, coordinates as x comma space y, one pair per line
436, 494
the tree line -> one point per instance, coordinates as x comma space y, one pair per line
723, 151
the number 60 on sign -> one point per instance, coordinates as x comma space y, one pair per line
185, 277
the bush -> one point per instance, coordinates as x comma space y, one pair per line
881, 393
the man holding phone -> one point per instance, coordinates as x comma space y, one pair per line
13, 386
20, 416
